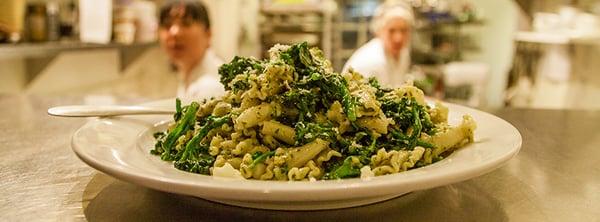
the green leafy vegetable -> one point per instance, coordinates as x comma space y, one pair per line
195, 157
344, 170
184, 124
238, 66
304, 100
259, 158
178, 110
308, 132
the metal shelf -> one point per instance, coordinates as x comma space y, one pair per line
46, 49
296, 22
38, 55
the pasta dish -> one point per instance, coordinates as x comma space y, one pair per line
291, 117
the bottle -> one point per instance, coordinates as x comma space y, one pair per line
36, 23
53, 21
68, 21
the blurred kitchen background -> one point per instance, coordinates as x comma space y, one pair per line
482, 53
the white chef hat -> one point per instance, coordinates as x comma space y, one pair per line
389, 10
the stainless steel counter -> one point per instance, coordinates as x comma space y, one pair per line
555, 177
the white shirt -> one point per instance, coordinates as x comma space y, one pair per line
371, 60
204, 79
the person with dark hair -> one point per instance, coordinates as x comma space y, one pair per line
185, 35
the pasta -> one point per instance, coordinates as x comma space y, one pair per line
290, 117
278, 130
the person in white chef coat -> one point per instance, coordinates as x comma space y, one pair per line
185, 36
387, 56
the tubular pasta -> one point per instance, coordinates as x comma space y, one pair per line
279, 131
300, 155
253, 115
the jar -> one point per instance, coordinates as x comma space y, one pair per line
124, 25
36, 23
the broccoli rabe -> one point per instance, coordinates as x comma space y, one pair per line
304, 100
368, 151
238, 66
178, 110
196, 163
380, 90
333, 87
410, 117
336, 88
311, 72
363, 144
183, 125
259, 157
300, 57
402, 112
308, 132
343, 169
400, 141
194, 157
358, 156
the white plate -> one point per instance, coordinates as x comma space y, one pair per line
121, 148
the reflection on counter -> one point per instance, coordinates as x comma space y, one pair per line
109, 195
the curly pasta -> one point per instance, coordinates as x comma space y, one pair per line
395, 161
326, 155
304, 173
